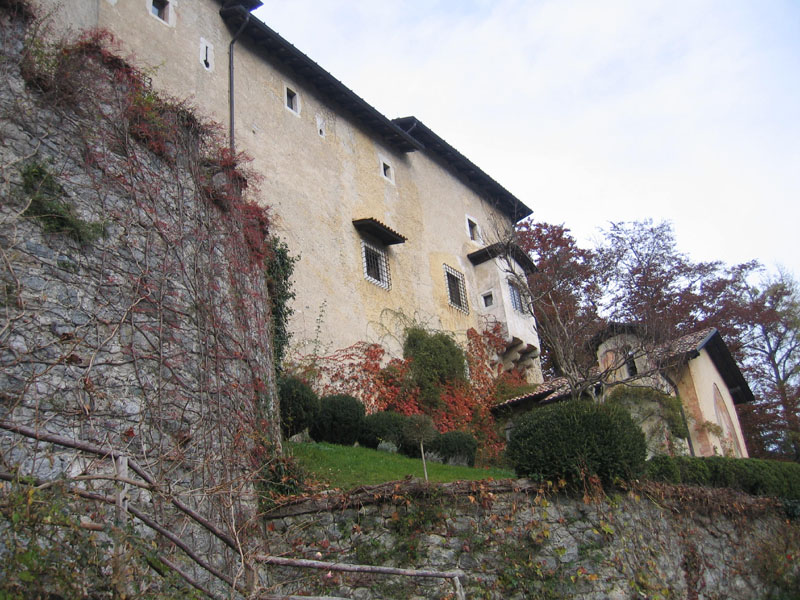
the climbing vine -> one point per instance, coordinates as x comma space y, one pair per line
138, 403
453, 400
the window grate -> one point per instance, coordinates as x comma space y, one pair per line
456, 290
376, 265
516, 297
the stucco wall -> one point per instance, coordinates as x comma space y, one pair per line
704, 377
317, 184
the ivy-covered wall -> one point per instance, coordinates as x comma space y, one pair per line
136, 361
512, 539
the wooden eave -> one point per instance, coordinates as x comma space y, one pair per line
275, 49
383, 233
500, 249
465, 169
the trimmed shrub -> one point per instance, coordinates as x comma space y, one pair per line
574, 439
752, 475
456, 447
339, 420
299, 405
385, 426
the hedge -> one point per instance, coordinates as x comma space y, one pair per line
455, 447
299, 405
385, 426
752, 475
339, 420
574, 439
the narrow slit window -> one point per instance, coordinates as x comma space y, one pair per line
292, 100
630, 364
376, 264
206, 55
472, 227
456, 290
387, 171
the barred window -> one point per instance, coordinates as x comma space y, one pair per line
516, 297
456, 291
376, 264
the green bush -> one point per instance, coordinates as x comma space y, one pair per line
385, 426
573, 439
752, 475
299, 405
435, 361
339, 420
456, 446
416, 428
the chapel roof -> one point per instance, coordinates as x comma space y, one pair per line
684, 348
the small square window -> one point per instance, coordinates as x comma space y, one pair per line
292, 100
517, 302
376, 264
472, 228
488, 299
160, 9
456, 291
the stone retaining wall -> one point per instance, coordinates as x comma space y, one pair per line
513, 539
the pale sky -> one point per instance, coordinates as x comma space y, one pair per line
592, 111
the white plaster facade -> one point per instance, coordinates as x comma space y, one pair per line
705, 383
325, 161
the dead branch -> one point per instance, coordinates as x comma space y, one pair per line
348, 568
132, 464
393, 491
303, 563
146, 519
188, 578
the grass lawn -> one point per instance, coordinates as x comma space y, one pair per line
347, 467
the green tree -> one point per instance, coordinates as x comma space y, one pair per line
436, 360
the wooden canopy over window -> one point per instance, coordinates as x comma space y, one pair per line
383, 233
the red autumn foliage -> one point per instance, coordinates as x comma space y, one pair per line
362, 370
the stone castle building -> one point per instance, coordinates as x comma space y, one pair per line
392, 224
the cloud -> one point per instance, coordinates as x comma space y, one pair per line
594, 111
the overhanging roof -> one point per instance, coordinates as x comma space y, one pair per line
545, 393
276, 49
383, 233
248, 4
465, 169
502, 249
688, 347
406, 134
727, 367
